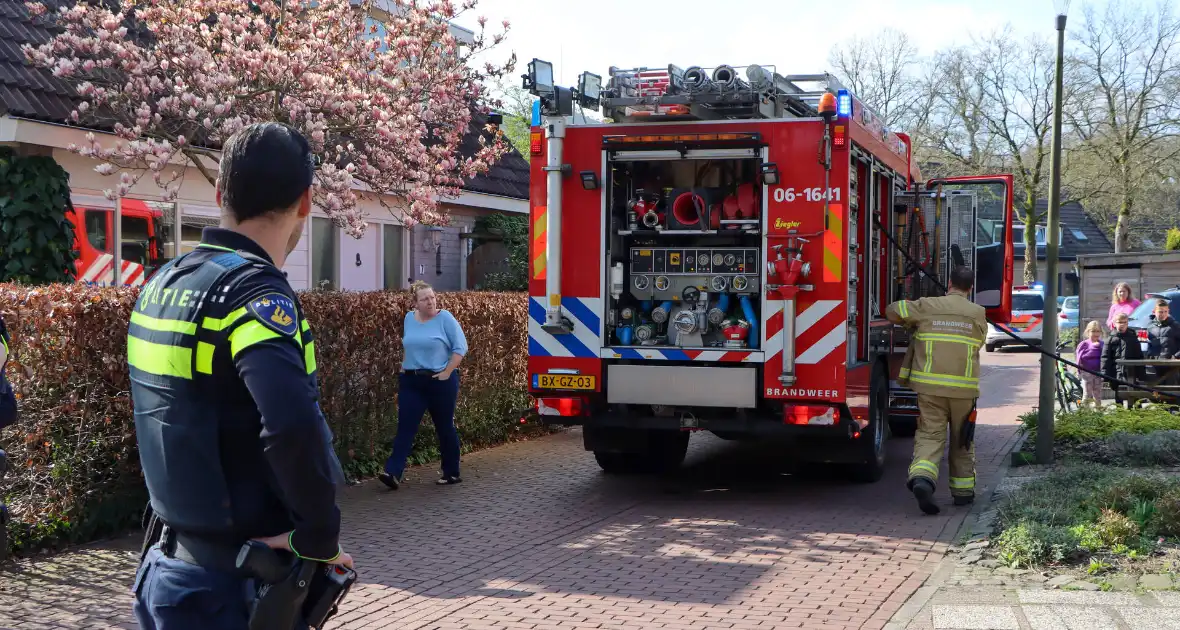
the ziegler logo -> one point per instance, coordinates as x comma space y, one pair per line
780, 224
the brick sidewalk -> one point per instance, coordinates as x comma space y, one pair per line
537, 537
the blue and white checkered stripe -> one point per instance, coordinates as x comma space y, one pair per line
673, 354
585, 342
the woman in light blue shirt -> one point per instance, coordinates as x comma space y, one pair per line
434, 346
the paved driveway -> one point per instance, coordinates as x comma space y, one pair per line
537, 537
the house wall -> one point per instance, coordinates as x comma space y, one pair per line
418, 259
445, 269
1067, 281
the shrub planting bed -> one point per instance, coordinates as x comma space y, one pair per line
1114, 436
75, 472
1096, 519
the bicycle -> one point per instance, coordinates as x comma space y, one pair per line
1069, 386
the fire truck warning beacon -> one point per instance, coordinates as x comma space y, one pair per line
717, 256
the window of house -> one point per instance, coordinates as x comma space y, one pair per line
135, 242
96, 228
392, 236
1078, 234
324, 257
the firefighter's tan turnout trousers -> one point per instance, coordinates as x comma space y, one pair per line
941, 365
930, 442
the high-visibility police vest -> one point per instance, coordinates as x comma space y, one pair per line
943, 356
181, 322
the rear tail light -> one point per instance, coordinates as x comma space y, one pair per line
818, 415
535, 143
1141, 334
560, 406
838, 136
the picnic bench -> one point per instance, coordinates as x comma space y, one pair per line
1165, 369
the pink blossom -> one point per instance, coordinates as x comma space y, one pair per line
365, 111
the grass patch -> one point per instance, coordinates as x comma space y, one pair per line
1087, 514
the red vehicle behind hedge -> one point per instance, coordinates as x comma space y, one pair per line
94, 238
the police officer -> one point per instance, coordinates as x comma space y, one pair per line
942, 366
231, 438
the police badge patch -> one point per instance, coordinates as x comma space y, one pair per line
277, 312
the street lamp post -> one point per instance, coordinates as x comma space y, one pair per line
1049, 331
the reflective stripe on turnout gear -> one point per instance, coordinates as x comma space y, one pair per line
943, 353
962, 483
925, 469
937, 412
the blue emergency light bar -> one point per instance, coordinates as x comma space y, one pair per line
843, 104
536, 122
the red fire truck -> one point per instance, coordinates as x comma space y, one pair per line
94, 238
718, 256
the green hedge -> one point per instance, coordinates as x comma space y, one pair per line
75, 472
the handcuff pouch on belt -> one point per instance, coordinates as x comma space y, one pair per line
291, 588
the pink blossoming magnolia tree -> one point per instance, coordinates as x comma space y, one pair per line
175, 78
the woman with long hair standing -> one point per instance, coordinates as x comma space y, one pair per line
434, 346
1121, 301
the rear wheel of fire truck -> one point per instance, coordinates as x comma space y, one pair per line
664, 451
990, 347
873, 438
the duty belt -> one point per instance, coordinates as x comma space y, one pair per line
205, 553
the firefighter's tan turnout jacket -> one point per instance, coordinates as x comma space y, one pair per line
943, 355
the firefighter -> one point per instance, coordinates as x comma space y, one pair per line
231, 438
942, 366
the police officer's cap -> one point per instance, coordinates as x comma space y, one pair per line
264, 167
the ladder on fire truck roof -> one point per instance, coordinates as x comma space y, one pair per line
662, 94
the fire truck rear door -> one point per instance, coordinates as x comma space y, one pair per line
993, 253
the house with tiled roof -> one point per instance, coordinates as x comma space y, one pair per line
34, 110
1078, 235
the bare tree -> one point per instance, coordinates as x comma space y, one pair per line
1128, 112
952, 137
1016, 84
880, 70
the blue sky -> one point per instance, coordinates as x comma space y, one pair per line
792, 35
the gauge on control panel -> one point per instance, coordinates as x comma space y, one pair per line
661, 283
627, 313
729, 259
642, 282
703, 259
740, 283
717, 284
718, 259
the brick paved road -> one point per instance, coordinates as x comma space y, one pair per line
537, 537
